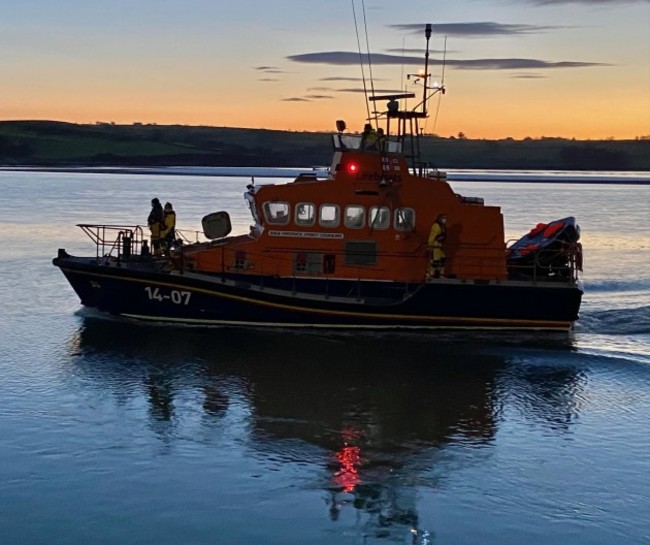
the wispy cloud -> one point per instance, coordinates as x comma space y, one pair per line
338, 78
269, 69
477, 29
345, 58
377, 91
419, 51
518, 64
528, 76
295, 99
268, 79
318, 97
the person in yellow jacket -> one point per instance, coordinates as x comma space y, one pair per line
168, 231
369, 138
437, 237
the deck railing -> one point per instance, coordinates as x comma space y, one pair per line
118, 241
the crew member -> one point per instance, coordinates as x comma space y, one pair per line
168, 232
369, 137
155, 222
437, 238
382, 142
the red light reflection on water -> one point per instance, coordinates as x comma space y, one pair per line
349, 457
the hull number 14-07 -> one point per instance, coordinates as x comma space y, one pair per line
175, 296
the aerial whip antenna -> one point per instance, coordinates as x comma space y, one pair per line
372, 80
442, 86
363, 74
444, 64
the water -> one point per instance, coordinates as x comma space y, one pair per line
114, 432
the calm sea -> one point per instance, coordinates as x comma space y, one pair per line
119, 433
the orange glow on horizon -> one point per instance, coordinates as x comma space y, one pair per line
511, 110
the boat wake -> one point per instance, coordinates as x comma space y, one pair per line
618, 286
626, 321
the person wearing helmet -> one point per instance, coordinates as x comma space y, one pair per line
168, 232
155, 222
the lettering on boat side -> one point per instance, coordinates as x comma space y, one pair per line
376, 177
304, 234
175, 296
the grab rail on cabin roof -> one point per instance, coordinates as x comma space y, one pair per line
344, 142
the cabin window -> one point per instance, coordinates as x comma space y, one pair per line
330, 215
404, 219
307, 263
276, 212
379, 217
361, 252
305, 214
355, 216
240, 263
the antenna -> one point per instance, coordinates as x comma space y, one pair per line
441, 87
427, 34
444, 64
372, 81
363, 74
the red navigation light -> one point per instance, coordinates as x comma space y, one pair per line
352, 168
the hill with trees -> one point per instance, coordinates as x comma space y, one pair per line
59, 144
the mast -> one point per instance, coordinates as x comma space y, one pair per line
427, 34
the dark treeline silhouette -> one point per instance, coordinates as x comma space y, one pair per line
58, 144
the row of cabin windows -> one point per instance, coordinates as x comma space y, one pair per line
329, 215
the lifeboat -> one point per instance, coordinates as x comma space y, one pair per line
348, 249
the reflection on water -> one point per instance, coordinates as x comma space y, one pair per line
134, 433
377, 413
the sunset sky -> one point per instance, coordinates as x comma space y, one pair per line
514, 68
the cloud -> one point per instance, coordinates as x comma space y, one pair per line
376, 92
518, 64
527, 76
348, 58
308, 98
345, 58
269, 69
338, 78
478, 29
268, 79
419, 51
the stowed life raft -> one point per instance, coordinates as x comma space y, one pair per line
549, 250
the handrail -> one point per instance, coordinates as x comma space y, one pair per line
119, 241
550, 265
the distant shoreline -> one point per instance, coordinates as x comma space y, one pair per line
453, 175
50, 144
